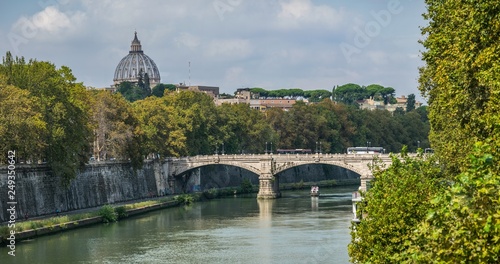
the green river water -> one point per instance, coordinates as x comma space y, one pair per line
296, 228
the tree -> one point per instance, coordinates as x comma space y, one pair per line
349, 93
242, 129
21, 123
160, 127
197, 118
63, 107
461, 77
410, 103
462, 225
160, 88
132, 92
392, 209
115, 128
399, 111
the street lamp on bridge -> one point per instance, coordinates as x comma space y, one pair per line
222, 148
266, 147
318, 149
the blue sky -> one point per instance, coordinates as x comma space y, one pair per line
274, 44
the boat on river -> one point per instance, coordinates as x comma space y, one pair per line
314, 191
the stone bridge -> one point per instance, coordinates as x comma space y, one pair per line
268, 165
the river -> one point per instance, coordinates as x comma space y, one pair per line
293, 229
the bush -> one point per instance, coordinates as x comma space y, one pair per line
246, 186
108, 214
121, 212
4, 232
185, 199
298, 185
211, 194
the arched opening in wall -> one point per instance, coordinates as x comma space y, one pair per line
326, 175
219, 176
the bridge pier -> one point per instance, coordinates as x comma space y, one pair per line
268, 187
268, 184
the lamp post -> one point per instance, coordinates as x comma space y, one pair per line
320, 147
418, 144
222, 148
271, 147
216, 149
266, 147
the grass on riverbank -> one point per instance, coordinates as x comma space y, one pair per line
108, 212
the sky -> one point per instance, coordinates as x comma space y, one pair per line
273, 44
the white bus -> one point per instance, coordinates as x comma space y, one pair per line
365, 150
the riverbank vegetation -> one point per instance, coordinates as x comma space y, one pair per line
450, 213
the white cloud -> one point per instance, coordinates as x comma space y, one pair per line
50, 21
272, 44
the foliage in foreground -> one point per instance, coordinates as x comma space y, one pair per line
413, 216
461, 77
463, 225
392, 208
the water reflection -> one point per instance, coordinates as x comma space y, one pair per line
314, 203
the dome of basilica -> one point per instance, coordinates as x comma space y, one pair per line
135, 64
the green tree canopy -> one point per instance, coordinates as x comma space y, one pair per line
410, 103
21, 123
115, 128
397, 202
160, 88
460, 78
63, 107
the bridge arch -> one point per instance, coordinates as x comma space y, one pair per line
234, 164
213, 176
290, 165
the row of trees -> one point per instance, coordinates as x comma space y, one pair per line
311, 95
445, 209
351, 92
46, 116
347, 94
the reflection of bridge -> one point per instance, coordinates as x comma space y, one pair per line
268, 165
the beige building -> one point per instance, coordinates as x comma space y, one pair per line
212, 91
371, 104
245, 96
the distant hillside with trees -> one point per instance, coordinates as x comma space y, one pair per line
350, 93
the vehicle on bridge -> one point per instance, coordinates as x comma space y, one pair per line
293, 151
365, 150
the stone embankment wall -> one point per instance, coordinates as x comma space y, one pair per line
38, 192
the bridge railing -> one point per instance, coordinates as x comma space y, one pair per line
239, 157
